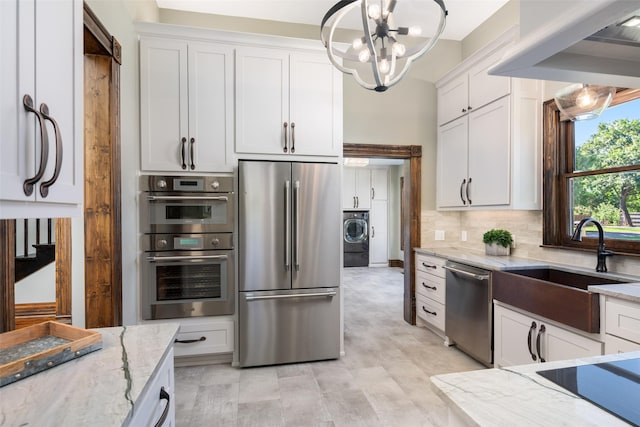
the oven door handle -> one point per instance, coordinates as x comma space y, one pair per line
184, 257
222, 198
286, 296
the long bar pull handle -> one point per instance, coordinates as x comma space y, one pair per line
467, 191
286, 142
467, 273
293, 137
464, 181
296, 225
164, 396
541, 331
44, 187
531, 329
287, 296
183, 151
221, 198
184, 257
354, 201
287, 224
373, 232
373, 193
27, 186
189, 341
357, 201
192, 142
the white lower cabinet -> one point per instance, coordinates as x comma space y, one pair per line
621, 325
204, 336
156, 405
522, 338
430, 292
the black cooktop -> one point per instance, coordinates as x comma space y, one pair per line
613, 386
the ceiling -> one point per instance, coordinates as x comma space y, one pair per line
464, 15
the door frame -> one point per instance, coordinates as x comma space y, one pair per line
411, 230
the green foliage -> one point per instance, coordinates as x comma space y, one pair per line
607, 214
500, 237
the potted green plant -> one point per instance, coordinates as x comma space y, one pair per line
497, 242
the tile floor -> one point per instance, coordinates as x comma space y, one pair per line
383, 380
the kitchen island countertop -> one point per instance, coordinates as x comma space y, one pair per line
98, 389
518, 396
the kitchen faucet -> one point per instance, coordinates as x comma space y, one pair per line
602, 253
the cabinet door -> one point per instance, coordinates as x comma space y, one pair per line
164, 104
489, 155
363, 188
453, 99
484, 88
349, 188
315, 106
615, 345
210, 107
514, 337
560, 344
452, 164
262, 101
378, 253
379, 184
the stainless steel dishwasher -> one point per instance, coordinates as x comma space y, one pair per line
468, 311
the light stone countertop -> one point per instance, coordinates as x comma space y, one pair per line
628, 291
98, 389
517, 396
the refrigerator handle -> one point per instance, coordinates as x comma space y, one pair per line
296, 207
287, 224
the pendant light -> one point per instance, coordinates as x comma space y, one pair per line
584, 102
383, 53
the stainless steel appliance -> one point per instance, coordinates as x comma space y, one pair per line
188, 259
187, 204
468, 311
356, 238
289, 262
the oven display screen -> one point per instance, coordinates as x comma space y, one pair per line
187, 243
188, 184
188, 212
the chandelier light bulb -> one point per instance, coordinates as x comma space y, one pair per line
384, 66
415, 30
398, 49
364, 55
357, 44
374, 11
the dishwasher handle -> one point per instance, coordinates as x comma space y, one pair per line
467, 273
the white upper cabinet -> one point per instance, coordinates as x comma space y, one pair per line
489, 156
379, 184
41, 101
356, 188
287, 103
186, 91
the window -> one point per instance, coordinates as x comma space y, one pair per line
592, 169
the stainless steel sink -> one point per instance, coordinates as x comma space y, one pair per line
556, 294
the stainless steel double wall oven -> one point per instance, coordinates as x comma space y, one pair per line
188, 259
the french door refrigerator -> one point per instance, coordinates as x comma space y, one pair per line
289, 262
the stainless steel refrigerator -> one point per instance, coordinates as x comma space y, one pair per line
289, 262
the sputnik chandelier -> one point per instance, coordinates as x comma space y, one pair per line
383, 54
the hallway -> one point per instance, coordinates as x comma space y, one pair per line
383, 379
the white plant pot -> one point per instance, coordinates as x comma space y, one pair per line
497, 250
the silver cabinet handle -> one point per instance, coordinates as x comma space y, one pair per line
467, 191
354, 201
296, 224
44, 187
192, 142
27, 186
184, 257
464, 181
183, 151
221, 198
286, 296
293, 137
373, 232
467, 273
287, 224
373, 193
286, 143
357, 201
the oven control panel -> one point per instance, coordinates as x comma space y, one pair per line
187, 184
188, 242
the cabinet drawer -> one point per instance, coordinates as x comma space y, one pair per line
430, 311
205, 338
430, 264
615, 345
430, 286
622, 319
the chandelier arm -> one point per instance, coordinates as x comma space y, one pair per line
370, 43
335, 8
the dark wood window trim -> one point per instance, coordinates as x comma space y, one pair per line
557, 167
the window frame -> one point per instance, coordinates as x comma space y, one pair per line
558, 152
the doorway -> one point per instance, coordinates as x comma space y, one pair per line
411, 212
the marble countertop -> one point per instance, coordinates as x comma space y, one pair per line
628, 291
98, 389
517, 396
